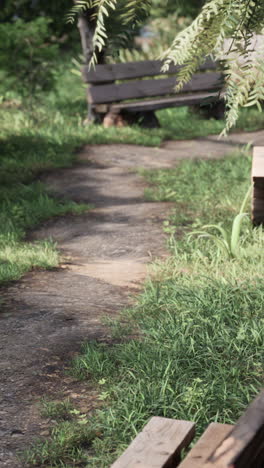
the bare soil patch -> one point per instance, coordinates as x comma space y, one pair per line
48, 314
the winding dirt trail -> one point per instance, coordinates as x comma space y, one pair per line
48, 314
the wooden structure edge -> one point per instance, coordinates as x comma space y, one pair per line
244, 445
257, 176
158, 445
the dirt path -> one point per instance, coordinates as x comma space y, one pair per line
48, 314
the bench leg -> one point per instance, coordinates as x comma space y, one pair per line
145, 119
93, 115
148, 119
258, 203
214, 110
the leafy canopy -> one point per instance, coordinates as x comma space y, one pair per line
217, 22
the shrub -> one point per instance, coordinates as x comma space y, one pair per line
26, 55
28, 10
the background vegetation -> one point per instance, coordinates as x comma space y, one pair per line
29, 10
161, 9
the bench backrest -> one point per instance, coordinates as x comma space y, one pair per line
103, 89
133, 70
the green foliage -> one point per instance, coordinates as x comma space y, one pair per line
164, 8
117, 16
29, 10
204, 199
218, 20
69, 439
119, 37
163, 31
27, 56
22, 207
59, 410
68, 442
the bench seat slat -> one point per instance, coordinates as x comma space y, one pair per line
149, 88
158, 445
178, 100
133, 70
206, 445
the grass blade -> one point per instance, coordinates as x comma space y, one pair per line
236, 228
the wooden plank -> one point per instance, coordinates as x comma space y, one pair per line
258, 205
133, 70
148, 88
244, 446
258, 162
257, 213
158, 445
197, 457
177, 101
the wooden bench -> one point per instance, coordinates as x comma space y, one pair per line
120, 91
162, 440
258, 185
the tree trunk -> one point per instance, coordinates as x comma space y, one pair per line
86, 26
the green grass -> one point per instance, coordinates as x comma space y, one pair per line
59, 410
182, 123
199, 324
67, 443
204, 191
71, 436
23, 206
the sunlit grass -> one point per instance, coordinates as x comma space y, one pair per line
23, 207
66, 443
204, 191
16, 258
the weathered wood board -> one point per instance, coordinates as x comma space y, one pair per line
258, 185
133, 70
206, 445
111, 93
158, 445
176, 101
